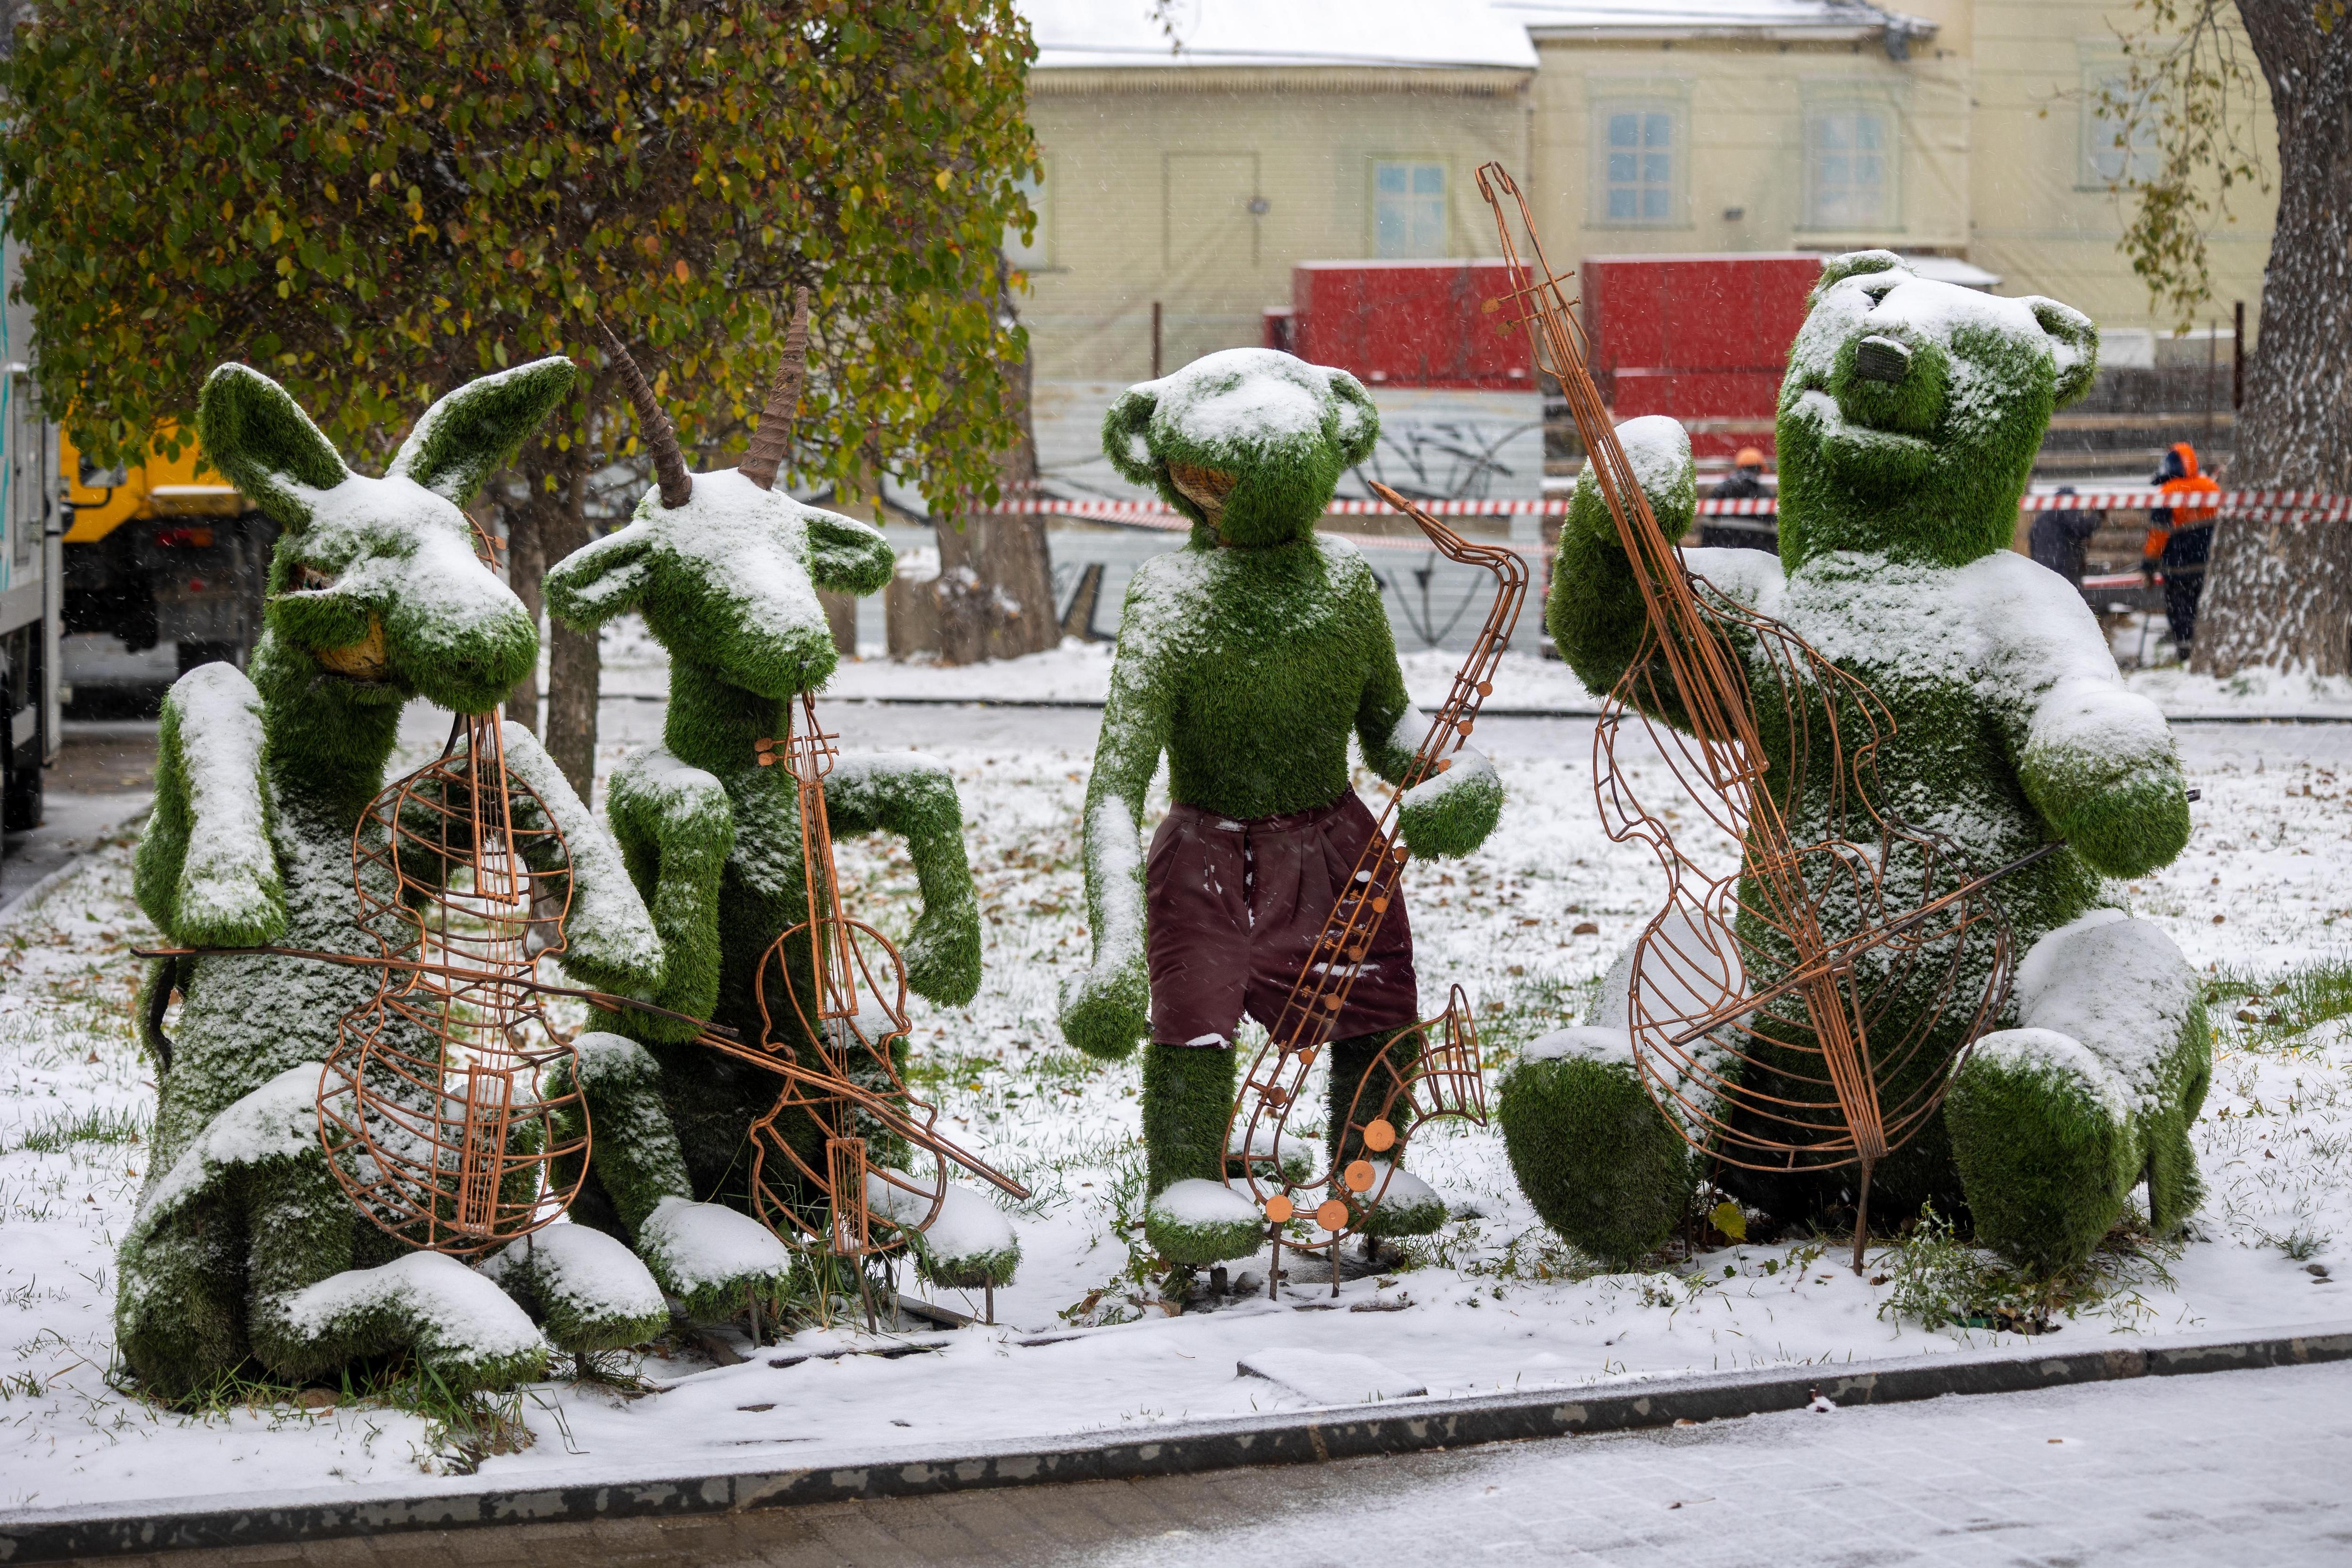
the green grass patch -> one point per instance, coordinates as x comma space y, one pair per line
103, 1124
2264, 1012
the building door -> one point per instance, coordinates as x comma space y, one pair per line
1209, 238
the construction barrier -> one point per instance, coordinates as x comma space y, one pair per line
2259, 506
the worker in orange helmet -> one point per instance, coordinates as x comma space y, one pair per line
1745, 482
2179, 539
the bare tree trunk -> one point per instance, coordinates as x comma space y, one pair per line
561, 521
2279, 595
526, 567
995, 585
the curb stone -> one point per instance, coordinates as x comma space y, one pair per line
23, 903
1304, 1437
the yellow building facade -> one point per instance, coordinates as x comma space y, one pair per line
1192, 172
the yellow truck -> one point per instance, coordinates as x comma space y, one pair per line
164, 565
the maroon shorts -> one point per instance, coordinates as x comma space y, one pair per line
1233, 908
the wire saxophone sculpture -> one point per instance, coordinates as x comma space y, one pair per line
1757, 992
1428, 1072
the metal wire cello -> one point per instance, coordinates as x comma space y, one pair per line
1800, 1000
1429, 1071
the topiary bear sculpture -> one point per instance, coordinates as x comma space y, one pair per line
1248, 657
1908, 424
242, 1243
726, 569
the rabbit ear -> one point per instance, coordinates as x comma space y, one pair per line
1358, 422
601, 579
1124, 428
474, 431
252, 431
2074, 343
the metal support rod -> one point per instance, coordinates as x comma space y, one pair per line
2238, 355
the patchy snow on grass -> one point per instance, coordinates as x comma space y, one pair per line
1082, 1343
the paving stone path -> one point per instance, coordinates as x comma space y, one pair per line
2225, 1470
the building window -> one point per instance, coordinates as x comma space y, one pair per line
2106, 161
1849, 167
1637, 169
1039, 251
1408, 209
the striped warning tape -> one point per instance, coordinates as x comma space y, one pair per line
2264, 506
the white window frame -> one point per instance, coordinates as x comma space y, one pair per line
1037, 256
1820, 111
1419, 243
2097, 136
1673, 191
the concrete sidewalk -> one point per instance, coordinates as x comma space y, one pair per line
2245, 1467
1188, 1460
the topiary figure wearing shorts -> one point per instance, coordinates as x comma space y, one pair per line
1247, 658
244, 1245
1908, 425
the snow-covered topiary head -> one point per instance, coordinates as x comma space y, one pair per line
725, 567
376, 581
1913, 410
1248, 443
729, 580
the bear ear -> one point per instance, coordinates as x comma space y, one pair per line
2073, 343
1358, 422
251, 430
1124, 435
1852, 264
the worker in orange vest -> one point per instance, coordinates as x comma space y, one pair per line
2179, 539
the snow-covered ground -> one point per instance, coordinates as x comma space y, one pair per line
1494, 1304
1080, 672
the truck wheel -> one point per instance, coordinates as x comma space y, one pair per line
20, 794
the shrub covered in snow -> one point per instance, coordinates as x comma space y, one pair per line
1908, 424
1248, 657
243, 1244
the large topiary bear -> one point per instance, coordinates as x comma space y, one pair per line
1247, 658
725, 568
1908, 426
242, 1243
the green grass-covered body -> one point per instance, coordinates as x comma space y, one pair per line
1247, 658
727, 583
243, 1244
1907, 427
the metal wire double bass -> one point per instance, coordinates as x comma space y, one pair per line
1798, 1003
1428, 1072
832, 993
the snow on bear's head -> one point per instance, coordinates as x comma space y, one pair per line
1912, 409
1248, 443
375, 587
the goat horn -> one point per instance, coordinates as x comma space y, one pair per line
669, 463
774, 435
